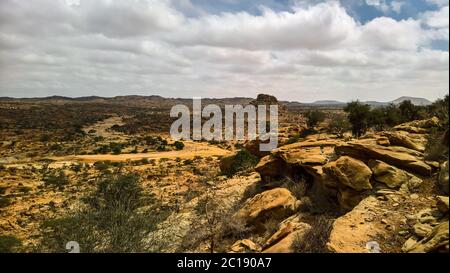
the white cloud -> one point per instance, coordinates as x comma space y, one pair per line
388, 34
397, 6
437, 19
439, 3
271, 30
316, 51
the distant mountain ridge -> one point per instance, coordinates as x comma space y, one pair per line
414, 100
222, 101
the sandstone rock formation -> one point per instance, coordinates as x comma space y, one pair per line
350, 172
277, 203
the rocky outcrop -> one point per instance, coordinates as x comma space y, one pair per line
394, 157
244, 246
436, 241
389, 175
277, 203
281, 241
442, 204
424, 123
350, 172
399, 139
443, 177
348, 235
418, 126
271, 167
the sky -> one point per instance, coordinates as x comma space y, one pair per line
296, 50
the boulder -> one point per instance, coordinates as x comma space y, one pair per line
321, 177
389, 175
383, 142
277, 203
271, 167
396, 138
284, 245
435, 241
397, 158
442, 204
350, 172
421, 230
411, 129
303, 156
244, 246
424, 123
443, 177
281, 241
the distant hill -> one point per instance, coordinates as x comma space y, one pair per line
154, 100
328, 102
415, 101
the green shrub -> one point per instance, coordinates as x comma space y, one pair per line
178, 145
242, 161
56, 179
188, 162
116, 218
435, 149
358, 116
293, 139
339, 125
9, 244
116, 148
4, 202
314, 117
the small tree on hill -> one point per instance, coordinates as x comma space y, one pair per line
358, 116
314, 117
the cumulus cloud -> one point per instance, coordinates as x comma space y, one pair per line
177, 49
271, 30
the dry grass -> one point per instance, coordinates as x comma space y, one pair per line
315, 239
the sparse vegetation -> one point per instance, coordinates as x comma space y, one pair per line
56, 178
9, 244
339, 125
358, 116
314, 117
178, 145
111, 220
315, 239
242, 161
4, 202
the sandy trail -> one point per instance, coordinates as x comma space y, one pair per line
190, 150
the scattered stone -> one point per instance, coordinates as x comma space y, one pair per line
245, 245
409, 244
422, 230
443, 177
281, 241
414, 196
436, 241
442, 204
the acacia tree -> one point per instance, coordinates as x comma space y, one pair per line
339, 125
358, 116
